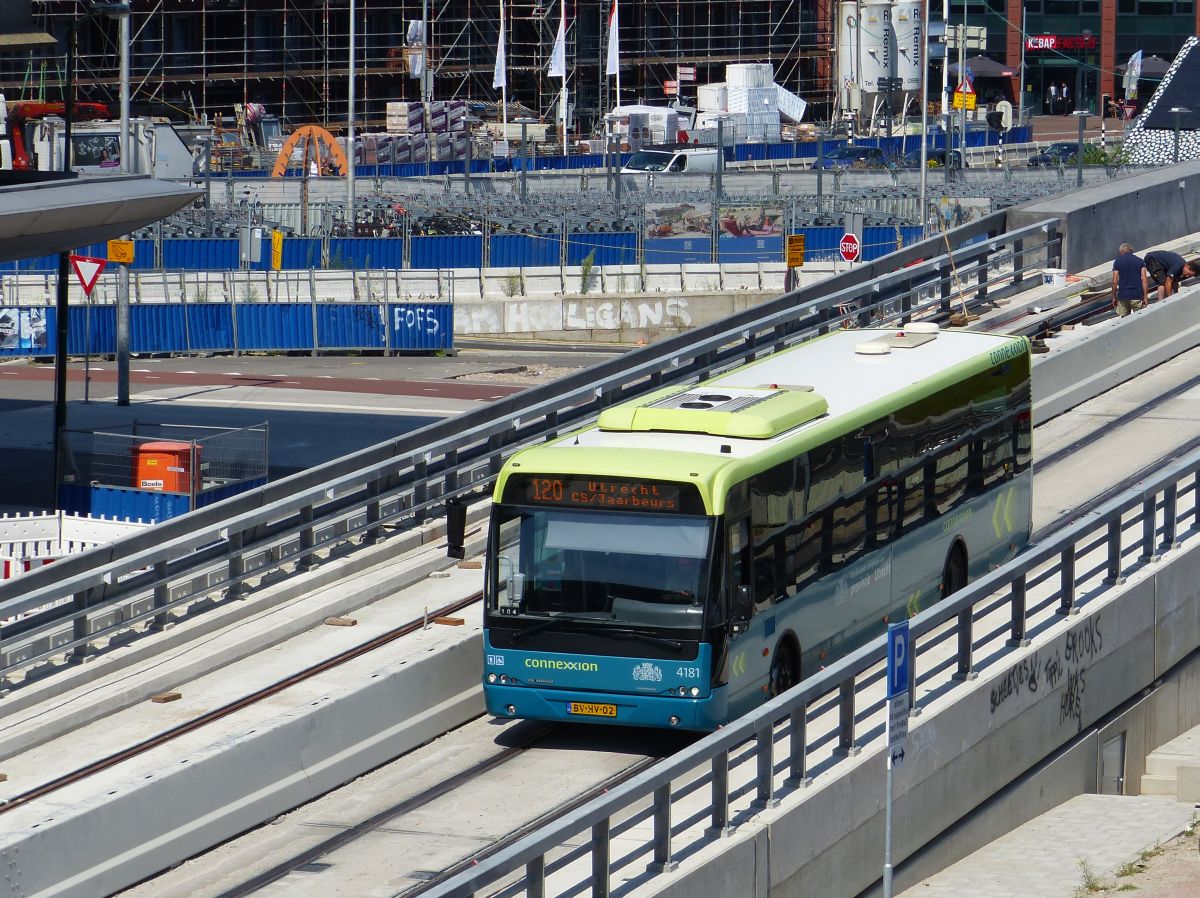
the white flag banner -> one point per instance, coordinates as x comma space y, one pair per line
558, 56
1133, 71
499, 79
613, 65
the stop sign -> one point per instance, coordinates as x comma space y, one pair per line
850, 248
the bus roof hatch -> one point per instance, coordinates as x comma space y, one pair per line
721, 411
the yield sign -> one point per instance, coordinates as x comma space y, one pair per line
965, 87
88, 269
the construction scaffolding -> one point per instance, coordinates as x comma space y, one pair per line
198, 59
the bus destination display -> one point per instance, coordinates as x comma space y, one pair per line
597, 492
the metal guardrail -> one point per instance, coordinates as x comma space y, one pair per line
838, 683
401, 483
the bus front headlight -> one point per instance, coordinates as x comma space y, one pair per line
491, 678
695, 692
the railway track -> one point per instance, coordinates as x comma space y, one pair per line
112, 760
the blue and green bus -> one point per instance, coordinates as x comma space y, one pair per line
702, 548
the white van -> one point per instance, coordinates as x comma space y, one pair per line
672, 159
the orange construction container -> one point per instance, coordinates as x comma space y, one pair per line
166, 467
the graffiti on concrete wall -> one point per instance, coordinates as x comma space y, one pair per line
1063, 668
670, 312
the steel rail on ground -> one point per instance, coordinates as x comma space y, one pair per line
407, 480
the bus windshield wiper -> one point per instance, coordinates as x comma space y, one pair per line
540, 627
623, 633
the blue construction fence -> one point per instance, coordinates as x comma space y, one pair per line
468, 251
225, 327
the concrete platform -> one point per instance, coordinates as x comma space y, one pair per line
1042, 858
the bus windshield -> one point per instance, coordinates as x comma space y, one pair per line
600, 569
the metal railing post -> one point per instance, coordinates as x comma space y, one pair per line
162, 598
308, 540
374, 532
1018, 261
1017, 635
420, 490
966, 626
764, 753
601, 849
1170, 525
798, 750
535, 878
237, 565
720, 793
662, 829
1066, 564
1149, 529
846, 747
1114, 577
981, 278
80, 630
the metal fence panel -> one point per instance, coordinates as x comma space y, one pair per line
91, 329
749, 249
277, 326
157, 328
209, 326
302, 252
677, 250
197, 254
366, 252
447, 251
820, 244
879, 241
619, 248
427, 326
350, 326
524, 250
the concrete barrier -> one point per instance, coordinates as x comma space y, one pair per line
1098, 219
1087, 361
543, 281
739, 276
465, 284
499, 284
701, 277
771, 276
418, 284
663, 279
620, 280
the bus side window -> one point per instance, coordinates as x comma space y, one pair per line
739, 553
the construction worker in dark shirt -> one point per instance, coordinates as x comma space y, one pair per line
1167, 269
1129, 282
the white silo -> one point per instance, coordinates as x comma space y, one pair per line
910, 32
847, 63
878, 44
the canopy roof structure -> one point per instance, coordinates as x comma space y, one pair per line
986, 67
53, 216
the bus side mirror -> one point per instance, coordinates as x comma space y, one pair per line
743, 608
456, 528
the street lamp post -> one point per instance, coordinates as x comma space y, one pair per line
1178, 112
524, 121
61, 296
1083, 117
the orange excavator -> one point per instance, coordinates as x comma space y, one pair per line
16, 116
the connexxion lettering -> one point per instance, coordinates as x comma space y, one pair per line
551, 664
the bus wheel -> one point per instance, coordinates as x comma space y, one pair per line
785, 669
954, 575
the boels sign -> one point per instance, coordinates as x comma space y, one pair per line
1060, 42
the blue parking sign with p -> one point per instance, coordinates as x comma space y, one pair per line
898, 659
